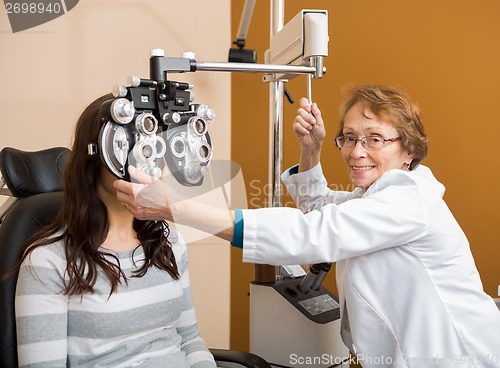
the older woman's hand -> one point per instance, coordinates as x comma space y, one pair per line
310, 130
308, 126
147, 199
153, 199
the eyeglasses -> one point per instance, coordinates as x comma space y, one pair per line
369, 143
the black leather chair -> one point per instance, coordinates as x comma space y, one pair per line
34, 178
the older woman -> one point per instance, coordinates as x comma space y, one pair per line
410, 293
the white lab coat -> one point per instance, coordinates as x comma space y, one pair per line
405, 272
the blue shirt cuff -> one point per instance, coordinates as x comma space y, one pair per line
238, 229
294, 170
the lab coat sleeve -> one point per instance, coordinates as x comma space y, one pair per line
309, 189
390, 213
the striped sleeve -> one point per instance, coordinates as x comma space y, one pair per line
197, 353
41, 310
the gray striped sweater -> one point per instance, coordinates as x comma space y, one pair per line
150, 322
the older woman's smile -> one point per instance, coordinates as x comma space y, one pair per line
362, 168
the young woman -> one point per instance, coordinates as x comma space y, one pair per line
98, 288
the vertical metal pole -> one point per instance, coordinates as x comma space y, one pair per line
276, 114
267, 273
275, 141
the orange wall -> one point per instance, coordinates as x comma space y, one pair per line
446, 54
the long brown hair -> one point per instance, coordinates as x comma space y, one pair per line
82, 223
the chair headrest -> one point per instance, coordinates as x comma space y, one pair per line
28, 173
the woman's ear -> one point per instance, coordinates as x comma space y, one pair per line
409, 158
408, 163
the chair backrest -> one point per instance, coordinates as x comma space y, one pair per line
35, 178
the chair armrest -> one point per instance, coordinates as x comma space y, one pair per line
235, 358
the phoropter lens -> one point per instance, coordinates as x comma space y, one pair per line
144, 151
178, 147
149, 124
203, 152
147, 151
146, 124
198, 125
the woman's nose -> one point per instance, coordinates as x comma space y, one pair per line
358, 150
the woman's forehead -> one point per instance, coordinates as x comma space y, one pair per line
360, 117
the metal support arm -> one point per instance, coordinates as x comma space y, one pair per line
161, 65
